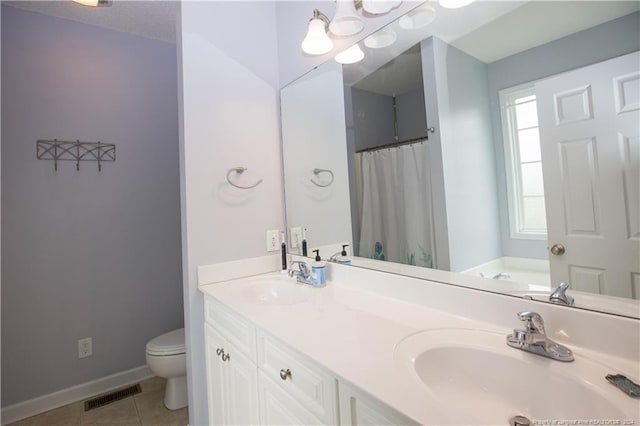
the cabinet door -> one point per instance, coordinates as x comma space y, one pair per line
358, 408
279, 408
215, 375
241, 391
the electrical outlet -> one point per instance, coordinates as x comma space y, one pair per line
273, 238
296, 237
85, 347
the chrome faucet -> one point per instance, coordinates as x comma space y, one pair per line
334, 257
303, 274
560, 295
534, 339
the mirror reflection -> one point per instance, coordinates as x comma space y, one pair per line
499, 141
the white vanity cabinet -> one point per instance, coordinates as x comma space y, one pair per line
253, 378
232, 375
358, 408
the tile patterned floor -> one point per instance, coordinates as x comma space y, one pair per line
144, 409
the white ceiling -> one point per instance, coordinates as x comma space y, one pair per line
537, 23
497, 32
155, 19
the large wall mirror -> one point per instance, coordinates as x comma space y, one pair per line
496, 147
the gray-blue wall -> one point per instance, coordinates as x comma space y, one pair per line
373, 117
463, 165
412, 116
85, 253
606, 41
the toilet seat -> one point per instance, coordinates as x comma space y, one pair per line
171, 343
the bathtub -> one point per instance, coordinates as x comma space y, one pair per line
533, 272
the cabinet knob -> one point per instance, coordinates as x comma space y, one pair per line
285, 373
225, 357
219, 351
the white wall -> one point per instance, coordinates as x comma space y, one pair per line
230, 73
229, 118
313, 133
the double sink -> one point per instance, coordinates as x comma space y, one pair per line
481, 380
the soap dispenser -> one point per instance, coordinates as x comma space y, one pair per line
343, 259
318, 271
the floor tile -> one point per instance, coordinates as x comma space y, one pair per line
152, 411
153, 384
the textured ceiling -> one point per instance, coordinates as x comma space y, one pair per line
151, 19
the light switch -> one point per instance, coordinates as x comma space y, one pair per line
296, 237
273, 237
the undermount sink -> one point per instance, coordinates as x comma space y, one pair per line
275, 291
484, 381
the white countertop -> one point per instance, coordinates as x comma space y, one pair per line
350, 332
353, 332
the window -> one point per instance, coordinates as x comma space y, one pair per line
523, 161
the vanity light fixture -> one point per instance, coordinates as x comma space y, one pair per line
317, 42
419, 17
346, 22
379, 7
383, 38
350, 56
455, 4
94, 3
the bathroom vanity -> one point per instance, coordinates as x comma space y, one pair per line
378, 348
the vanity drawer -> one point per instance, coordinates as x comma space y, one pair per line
237, 330
300, 377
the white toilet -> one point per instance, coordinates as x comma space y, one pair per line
166, 358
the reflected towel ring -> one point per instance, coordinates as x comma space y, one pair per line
240, 170
317, 172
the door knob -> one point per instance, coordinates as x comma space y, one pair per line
557, 249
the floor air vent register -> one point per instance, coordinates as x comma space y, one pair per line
110, 397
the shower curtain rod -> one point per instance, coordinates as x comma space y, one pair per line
395, 144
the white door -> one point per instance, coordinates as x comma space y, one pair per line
589, 126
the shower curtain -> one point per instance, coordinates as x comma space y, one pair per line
396, 211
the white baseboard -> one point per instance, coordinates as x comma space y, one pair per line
22, 410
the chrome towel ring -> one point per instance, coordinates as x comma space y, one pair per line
317, 173
240, 170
